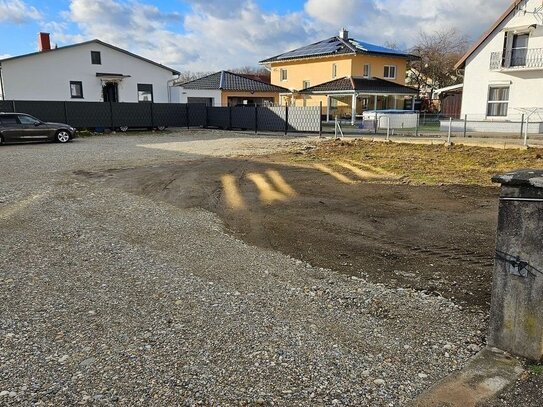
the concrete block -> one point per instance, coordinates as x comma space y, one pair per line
516, 317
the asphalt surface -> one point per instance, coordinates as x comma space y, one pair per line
110, 298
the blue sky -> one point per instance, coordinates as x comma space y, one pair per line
205, 35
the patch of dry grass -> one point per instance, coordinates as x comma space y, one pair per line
428, 164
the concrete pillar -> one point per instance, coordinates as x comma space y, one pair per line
516, 317
327, 109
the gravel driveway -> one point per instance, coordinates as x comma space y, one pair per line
108, 298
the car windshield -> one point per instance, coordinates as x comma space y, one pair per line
24, 119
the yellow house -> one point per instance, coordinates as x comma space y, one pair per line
344, 76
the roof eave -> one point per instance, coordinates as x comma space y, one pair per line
462, 63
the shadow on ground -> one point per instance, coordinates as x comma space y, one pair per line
347, 216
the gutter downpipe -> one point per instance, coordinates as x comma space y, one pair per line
2, 84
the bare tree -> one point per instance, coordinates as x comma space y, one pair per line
187, 76
438, 52
251, 70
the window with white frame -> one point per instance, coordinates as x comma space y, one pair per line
498, 101
367, 70
283, 74
390, 72
334, 70
306, 84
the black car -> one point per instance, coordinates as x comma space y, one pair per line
23, 127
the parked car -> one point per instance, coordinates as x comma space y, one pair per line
23, 127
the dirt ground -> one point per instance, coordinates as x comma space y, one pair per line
351, 218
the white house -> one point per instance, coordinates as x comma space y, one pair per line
503, 77
91, 71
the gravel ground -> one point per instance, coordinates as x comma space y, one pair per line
112, 299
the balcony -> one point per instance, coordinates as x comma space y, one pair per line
517, 60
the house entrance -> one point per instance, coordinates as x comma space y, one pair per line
110, 91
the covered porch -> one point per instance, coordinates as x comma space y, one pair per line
349, 98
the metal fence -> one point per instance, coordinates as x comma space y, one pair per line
440, 126
100, 115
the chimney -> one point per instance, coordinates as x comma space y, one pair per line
44, 43
344, 34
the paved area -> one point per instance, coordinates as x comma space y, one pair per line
109, 298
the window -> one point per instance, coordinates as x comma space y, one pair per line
390, 72
96, 58
8, 119
334, 70
145, 92
76, 90
367, 70
498, 101
283, 74
24, 119
519, 49
306, 84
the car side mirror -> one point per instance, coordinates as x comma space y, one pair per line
38, 124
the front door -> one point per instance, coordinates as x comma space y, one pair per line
111, 92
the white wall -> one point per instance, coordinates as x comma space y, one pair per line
200, 93
526, 86
47, 76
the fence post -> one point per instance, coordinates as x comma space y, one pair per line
388, 128
418, 124
286, 120
526, 131
187, 115
450, 131
375, 123
229, 117
522, 125
256, 119
465, 125
320, 119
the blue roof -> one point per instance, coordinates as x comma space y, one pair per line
336, 46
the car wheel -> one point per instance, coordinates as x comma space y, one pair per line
124, 129
161, 128
62, 136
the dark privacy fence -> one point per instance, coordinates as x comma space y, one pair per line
149, 115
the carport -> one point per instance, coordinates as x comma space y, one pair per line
349, 97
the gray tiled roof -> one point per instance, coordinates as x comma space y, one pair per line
362, 85
229, 81
336, 46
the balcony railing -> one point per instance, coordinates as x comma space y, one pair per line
517, 59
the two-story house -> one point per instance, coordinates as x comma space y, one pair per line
503, 71
91, 71
344, 75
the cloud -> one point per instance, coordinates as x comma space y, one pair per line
401, 21
17, 12
199, 40
220, 34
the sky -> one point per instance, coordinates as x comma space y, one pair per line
209, 35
